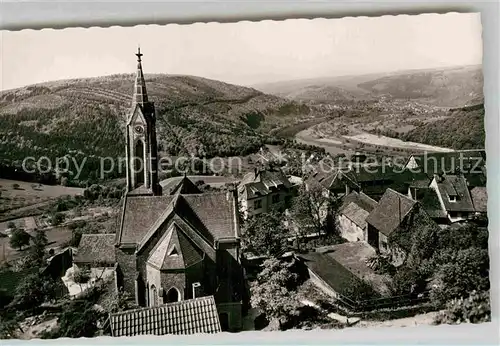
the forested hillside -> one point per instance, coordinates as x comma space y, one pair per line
85, 118
464, 129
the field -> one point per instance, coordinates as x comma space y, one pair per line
56, 237
19, 194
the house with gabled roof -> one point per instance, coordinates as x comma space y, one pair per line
454, 197
173, 243
263, 189
337, 180
352, 216
395, 212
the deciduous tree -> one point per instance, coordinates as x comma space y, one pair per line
265, 234
19, 238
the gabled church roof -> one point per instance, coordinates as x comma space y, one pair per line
175, 251
213, 216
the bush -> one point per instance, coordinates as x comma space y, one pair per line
81, 276
473, 309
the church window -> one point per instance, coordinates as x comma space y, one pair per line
258, 204
154, 296
139, 162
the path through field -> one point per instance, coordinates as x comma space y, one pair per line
418, 320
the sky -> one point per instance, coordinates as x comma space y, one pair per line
245, 53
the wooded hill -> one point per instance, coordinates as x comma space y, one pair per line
86, 117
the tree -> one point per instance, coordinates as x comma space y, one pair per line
33, 290
311, 210
19, 238
79, 319
273, 291
37, 250
460, 272
264, 234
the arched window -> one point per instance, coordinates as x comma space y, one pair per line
154, 296
173, 295
139, 162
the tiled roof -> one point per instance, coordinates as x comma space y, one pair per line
211, 214
262, 182
430, 202
365, 202
217, 211
390, 211
175, 251
335, 275
356, 214
139, 214
480, 198
96, 248
454, 185
333, 178
192, 316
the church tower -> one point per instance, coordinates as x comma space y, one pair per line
141, 147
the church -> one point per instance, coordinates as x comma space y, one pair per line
179, 244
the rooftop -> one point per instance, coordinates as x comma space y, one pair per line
96, 248
192, 316
390, 211
454, 186
263, 182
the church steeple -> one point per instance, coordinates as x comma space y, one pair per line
140, 93
141, 149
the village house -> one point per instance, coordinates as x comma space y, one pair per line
352, 216
372, 180
454, 196
394, 213
338, 181
263, 189
173, 244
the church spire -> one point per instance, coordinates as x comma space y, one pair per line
141, 149
140, 93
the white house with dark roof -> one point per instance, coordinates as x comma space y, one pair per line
263, 189
173, 244
454, 196
352, 216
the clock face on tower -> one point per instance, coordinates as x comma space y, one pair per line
139, 129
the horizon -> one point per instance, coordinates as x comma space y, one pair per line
132, 74
246, 53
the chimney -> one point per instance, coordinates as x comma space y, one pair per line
196, 290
